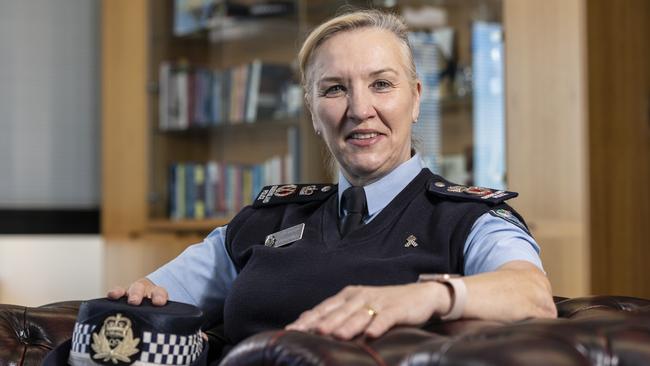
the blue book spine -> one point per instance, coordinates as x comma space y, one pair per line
217, 95
190, 190
172, 191
228, 189
180, 191
227, 95
210, 188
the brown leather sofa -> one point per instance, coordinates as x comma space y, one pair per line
600, 330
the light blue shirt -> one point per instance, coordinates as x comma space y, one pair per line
203, 273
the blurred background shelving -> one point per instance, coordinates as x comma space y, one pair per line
574, 134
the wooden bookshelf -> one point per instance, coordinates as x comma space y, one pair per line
222, 48
226, 127
139, 177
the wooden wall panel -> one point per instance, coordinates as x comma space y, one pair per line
129, 259
124, 117
619, 144
546, 132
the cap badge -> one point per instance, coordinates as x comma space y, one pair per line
115, 342
410, 241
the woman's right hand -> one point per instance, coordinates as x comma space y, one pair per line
138, 290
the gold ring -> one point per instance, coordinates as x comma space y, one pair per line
372, 312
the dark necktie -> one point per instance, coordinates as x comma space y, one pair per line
353, 202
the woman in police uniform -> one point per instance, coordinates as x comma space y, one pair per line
376, 250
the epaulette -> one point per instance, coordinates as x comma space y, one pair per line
293, 193
442, 188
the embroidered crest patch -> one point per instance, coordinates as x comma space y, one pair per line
510, 217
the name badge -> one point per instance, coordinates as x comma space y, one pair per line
284, 237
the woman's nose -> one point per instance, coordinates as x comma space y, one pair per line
360, 105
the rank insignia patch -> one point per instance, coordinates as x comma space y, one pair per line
477, 191
293, 193
285, 190
457, 189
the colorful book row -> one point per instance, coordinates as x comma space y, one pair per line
217, 189
197, 96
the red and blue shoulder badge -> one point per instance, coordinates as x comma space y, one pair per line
293, 193
441, 188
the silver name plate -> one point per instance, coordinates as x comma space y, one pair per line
284, 237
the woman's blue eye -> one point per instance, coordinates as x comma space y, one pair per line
334, 89
381, 84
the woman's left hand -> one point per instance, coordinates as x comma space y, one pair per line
374, 310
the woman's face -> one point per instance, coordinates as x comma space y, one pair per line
363, 102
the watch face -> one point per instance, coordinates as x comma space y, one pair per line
440, 277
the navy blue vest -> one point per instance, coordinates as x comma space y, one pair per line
275, 285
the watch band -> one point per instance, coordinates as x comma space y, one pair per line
458, 292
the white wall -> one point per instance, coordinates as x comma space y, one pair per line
49, 103
36, 270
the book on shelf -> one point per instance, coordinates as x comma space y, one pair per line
174, 97
258, 9
272, 92
217, 189
200, 97
191, 16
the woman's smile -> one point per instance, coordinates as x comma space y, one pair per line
364, 138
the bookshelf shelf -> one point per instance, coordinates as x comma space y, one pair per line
232, 127
236, 30
205, 225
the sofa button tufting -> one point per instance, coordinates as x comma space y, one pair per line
22, 336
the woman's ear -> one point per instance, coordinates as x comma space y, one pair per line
311, 114
417, 92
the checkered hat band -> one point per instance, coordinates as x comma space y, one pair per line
156, 348
82, 337
170, 349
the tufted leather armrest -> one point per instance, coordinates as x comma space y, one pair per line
28, 334
601, 330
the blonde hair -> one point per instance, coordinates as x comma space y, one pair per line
371, 18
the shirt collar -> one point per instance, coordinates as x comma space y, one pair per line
380, 193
